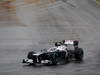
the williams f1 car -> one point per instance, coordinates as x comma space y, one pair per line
55, 55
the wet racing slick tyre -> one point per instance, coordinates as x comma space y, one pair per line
30, 55
53, 59
23, 61
79, 54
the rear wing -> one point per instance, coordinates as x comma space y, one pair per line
72, 42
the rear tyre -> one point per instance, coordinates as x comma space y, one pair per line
79, 54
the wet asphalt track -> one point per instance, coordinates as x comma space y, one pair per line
42, 24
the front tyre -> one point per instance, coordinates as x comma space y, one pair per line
53, 59
30, 55
23, 61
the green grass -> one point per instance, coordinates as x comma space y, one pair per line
98, 0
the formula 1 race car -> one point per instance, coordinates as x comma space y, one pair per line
56, 55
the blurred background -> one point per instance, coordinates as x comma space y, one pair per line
27, 25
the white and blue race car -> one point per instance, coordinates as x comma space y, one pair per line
65, 51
